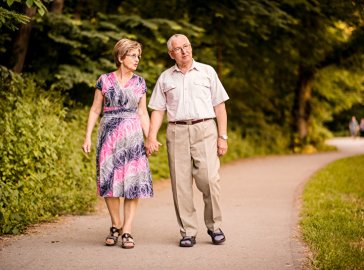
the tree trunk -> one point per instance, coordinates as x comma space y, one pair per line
21, 43
57, 6
302, 109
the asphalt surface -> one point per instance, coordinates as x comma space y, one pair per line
260, 200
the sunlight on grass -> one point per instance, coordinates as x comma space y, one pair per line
333, 215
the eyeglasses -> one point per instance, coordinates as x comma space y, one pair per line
134, 56
185, 47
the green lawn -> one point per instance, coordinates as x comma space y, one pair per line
333, 215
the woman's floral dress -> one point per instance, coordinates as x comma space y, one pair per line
121, 161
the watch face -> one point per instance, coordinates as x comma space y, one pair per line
224, 137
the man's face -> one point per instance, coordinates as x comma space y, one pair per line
181, 51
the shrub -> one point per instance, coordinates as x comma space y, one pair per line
42, 171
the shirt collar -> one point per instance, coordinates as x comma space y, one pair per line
193, 66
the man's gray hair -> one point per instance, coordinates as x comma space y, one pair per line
169, 42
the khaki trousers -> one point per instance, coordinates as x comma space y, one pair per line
192, 154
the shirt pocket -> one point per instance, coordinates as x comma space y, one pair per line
203, 89
204, 83
168, 86
171, 94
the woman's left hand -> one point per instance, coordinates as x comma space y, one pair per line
86, 147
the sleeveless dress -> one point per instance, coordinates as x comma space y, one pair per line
121, 162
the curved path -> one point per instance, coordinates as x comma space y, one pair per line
260, 198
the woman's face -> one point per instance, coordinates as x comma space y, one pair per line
132, 59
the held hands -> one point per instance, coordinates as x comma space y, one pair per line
151, 146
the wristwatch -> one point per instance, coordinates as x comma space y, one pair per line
224, 137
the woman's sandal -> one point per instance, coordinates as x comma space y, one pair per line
127, 241
113, 235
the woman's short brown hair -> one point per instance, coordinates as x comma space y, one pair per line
122, 47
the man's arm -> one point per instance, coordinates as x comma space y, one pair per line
221, 118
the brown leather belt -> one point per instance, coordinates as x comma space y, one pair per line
189, 122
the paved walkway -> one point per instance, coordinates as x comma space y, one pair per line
260, 198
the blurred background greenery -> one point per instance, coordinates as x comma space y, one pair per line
293, 70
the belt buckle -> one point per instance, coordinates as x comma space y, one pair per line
189, 122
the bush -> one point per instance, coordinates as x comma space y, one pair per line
42, 171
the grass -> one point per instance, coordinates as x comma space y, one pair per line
333, 215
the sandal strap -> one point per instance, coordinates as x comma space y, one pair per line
114, 230
187, 241
190, 239
127, 241
113, 235
217, 237
126, 238
220, 233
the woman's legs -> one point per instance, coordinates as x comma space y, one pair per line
130, 206
113, 205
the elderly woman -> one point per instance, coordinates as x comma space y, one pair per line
121, 161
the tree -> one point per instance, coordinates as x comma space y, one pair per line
10, 16
275, 58
316, 21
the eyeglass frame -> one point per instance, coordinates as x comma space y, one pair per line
184, 47
134, 56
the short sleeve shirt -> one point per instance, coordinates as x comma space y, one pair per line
188, 96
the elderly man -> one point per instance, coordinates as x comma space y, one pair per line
193, 97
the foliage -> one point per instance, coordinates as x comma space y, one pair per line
258, 59
78, 51
10, 17
265, 47
42, 174
332, 218
336, 91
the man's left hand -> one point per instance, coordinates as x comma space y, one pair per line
222, 147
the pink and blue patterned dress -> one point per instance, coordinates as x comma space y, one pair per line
121, 161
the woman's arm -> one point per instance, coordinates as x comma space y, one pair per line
92, 118
143, 114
